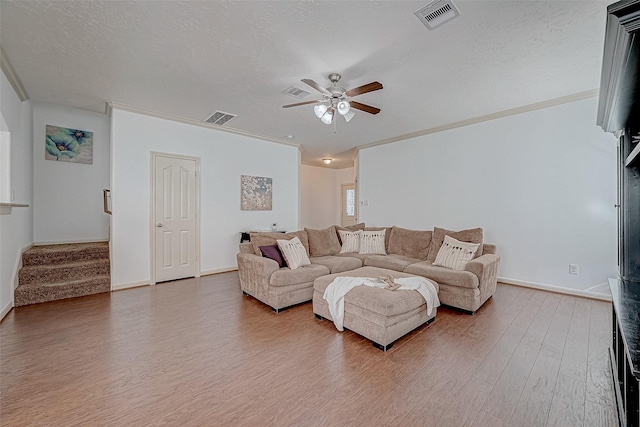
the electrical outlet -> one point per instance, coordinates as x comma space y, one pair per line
574, 268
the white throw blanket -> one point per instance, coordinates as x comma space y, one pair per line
335, 292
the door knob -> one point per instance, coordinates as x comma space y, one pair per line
159, 225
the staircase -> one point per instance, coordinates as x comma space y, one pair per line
55, 272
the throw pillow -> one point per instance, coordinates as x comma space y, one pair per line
266, 238
350, 241
273, 252
294, 253
386, 236
323, 242
355, 227
472, 235
411, 243
455, 254
372, 242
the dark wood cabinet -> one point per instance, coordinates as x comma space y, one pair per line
619, 113
625, 349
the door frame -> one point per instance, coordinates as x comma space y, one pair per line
152, 224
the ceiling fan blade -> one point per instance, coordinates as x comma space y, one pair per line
364, 107
370, 87
303, 103
316, 86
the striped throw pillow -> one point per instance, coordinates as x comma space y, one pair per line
455, 254
294, 252
372, 242
350, 241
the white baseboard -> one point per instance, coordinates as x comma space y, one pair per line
121, 286
6, 309
558, 289
219, 270
18, 265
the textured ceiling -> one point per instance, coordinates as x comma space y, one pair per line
188, 58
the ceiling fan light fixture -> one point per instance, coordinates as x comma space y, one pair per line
327, 117
344, 107
349, 115
337, 99
320, 110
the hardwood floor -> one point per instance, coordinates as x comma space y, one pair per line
197, 352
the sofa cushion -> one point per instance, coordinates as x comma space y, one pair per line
323, 242
361, 257
411, 243
392, 262
273, 252
294, 252
462, 279
337, 264
372, 242
455, 254
354, 227
304, 274
266, 239
350, 241
472, 235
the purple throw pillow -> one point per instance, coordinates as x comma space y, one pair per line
273, 252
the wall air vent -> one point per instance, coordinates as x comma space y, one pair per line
220, 117
295, 92
437, 13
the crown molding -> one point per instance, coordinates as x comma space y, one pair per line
13, 78
500, 114
617, 107
111, 105
333, 165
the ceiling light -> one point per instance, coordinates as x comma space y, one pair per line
326, 161
327, 117
343, 107
320, 110
349, 115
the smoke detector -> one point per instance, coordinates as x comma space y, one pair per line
437, 13
220, 118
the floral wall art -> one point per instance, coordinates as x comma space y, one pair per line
68, 145
256, 193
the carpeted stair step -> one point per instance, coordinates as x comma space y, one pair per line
54, 272
35, 293
55, 254
42, 274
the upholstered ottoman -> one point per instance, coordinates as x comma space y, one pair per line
378, 314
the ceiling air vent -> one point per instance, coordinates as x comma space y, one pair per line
437, 13
295, 92
220, 117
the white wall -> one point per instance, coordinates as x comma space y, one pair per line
320, 195
224, 157
542, 185
68, 196
16, 227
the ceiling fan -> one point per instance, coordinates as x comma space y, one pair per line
337, 99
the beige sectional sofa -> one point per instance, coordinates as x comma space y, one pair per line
408, 251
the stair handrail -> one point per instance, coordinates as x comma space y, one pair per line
106, 198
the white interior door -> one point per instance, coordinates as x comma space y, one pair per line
348, 205
175, 206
